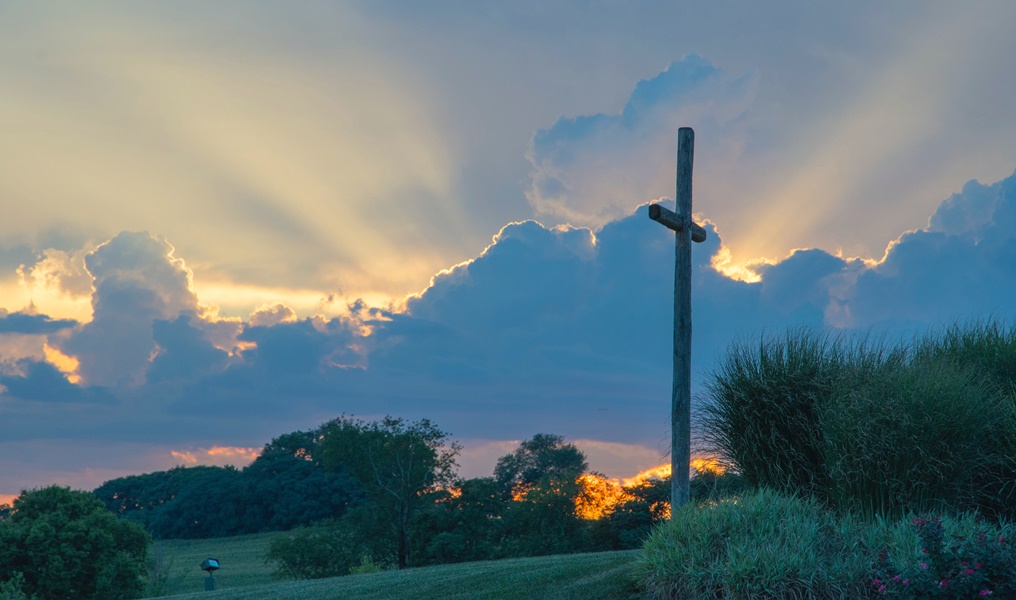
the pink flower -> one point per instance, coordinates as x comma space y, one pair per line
876, 582
881, 589
969, 571
943, 583
906, 582
924, 566
897, 578
984, 593
978, 566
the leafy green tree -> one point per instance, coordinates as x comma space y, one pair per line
286, 486
211, 503
284, 491
397, 462
649, 505
144, 498
540, 481
544, 459
543, 521
464, 524
65, 544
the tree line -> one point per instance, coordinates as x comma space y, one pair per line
387, 493
351, 495
286, 486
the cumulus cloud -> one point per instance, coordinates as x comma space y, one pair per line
61, 271
25, 323
558, 329
962, 266
137, 281
267, 315
591, 169
42, 381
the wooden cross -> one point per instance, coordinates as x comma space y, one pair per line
685, 232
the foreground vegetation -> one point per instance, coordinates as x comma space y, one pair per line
769, 545
871, 426
882, 469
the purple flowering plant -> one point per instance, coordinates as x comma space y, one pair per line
979, 565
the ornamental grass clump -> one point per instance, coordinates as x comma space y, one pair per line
762, 414
864, 425
930, 435
760, 545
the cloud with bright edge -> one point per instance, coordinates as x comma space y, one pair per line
589, 170
559, 329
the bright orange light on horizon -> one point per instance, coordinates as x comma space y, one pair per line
703, 463
660, 472
598, 496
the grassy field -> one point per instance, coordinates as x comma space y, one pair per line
245, 576
242, 558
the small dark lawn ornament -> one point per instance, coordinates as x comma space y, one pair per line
211, 565
685, 232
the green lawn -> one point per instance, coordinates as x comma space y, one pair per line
242, 558
244, 576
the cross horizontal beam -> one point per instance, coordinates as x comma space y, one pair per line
672, 220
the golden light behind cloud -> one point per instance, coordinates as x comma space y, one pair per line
242, 154
68, 365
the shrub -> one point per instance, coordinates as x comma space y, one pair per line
949, 558
333, 547
313, 552
761, 545
366, 566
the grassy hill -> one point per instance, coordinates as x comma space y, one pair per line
242, 558
245, 576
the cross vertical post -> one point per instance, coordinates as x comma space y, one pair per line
685, 232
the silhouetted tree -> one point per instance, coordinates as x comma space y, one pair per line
544, 459
463, 524
286, 486
397, 463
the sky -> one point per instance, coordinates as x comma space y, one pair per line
225, 222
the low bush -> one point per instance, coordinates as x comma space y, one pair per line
324, 550
760, 545
954, 558
768, 545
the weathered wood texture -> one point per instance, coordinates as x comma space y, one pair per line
680, 441
685, 232
668, 218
